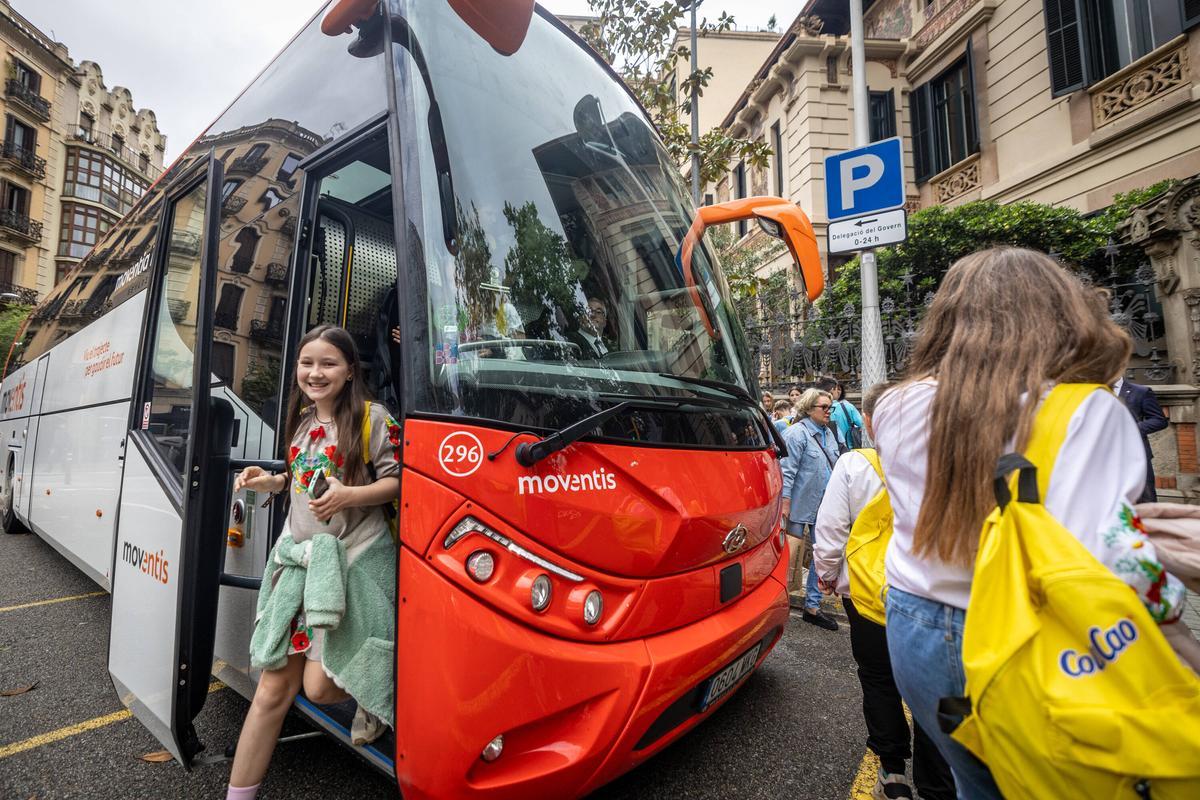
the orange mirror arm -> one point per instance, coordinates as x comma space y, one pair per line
346, 13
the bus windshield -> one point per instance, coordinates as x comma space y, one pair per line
544, 225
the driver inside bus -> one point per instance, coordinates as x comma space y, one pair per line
590, 330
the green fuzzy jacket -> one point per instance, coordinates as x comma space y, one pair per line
355, 604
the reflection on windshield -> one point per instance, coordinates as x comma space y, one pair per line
563, 282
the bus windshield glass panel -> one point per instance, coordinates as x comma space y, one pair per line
544, 226
175, 339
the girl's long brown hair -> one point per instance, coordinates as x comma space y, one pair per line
348, 409
1005, 323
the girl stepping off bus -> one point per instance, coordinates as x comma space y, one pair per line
326, 610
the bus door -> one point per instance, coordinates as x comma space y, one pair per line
175, 483
27, 439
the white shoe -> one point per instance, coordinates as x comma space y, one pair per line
366, 727
891, 785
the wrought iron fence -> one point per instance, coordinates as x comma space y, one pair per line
799, 344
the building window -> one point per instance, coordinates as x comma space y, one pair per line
15, 199
101, 179
882, 115
943, 120
229, 187
288, 168
1088, 40
243, 259
25, 76
708, 199
118, 143
19, 137
227, 307
143, 162
777, 146
8, 268
739, 191
87, 127
82, 227
224, 356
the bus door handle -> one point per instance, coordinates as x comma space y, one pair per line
237, 465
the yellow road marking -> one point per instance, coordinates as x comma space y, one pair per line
78, 728
52, 600
864, 780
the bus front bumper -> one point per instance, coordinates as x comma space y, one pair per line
574, 715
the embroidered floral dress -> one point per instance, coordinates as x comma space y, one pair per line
313, 448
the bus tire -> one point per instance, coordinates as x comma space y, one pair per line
8, 515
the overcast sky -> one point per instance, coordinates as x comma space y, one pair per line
164, 51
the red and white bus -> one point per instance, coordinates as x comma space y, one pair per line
575, 394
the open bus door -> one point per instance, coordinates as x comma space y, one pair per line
176, 480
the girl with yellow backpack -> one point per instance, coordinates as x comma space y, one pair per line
968, 610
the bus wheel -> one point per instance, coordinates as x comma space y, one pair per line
8, 516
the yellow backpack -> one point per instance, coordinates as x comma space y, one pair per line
392, 509
1072, 691
866, 548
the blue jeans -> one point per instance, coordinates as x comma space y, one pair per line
802, 544
925, 642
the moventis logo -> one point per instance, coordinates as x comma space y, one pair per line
598, 480
152, 564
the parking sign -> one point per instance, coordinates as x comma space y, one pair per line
865, 180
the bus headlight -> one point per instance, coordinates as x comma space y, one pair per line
493, 749
593, 607
539, 593
481, 565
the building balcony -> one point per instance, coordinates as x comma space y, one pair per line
17, 157
232, 205
131, 157
270, 330
30, 100
277, 273
185, 243
24, 295
18, 226
247, 165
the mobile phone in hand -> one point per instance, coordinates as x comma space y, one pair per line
319, 485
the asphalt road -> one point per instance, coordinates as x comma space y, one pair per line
793, 731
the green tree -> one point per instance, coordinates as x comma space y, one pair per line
539, 270
938, 236
12, 317
637, 37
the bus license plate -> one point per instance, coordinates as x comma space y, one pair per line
726, 679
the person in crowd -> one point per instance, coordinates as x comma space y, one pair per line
812, 450
844, 415
852, 486
782, 413
590, 332
320, 606
975, 380
1149, 416
768, 402
794, 395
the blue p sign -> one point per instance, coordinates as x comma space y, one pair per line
865, 180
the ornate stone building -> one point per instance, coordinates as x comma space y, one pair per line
1006, 100
74, 158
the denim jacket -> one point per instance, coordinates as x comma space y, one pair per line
806, 470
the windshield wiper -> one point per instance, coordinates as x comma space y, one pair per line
739, 393
529, 453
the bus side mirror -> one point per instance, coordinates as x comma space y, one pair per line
777, 217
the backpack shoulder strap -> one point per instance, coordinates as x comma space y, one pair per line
366, 433
1050, 427
872, 457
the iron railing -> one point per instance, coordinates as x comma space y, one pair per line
796, 343
270, 329
23, 159
16, 223
37, 105
105, 141
24, 294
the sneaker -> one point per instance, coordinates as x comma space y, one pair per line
820, 620
891, 785
366, 727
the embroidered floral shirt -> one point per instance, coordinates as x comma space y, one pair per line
314, 448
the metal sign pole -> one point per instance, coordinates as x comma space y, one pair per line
873, 368
695, 117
